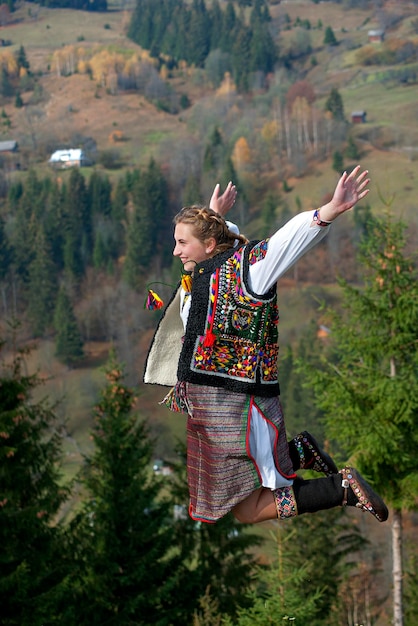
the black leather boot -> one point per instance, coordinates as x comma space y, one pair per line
305, 453
347, 488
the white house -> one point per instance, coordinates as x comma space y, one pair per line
73, 157
8, 146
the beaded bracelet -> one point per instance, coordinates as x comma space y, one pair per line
318, 220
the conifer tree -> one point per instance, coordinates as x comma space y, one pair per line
78, 244
226, 39
23, 232
100, 257
54, 224
68, 340
123, 570
31, 556
352, 151
213, 151
200, 31
42, 287
99, 192
334, 104
138, 239
241, 58
21, 58
329, 37
216, 559
145, 235
301, 584
263, 49
276, 596
18, 101
217, 20
120, 200
368, 385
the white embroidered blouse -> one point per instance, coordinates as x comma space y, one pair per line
285, 247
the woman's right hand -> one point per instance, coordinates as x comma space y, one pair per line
222, 204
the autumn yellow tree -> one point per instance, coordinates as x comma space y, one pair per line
241, 154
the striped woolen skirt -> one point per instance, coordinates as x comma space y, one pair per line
221, 470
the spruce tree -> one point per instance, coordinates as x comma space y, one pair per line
24, 228
139, 245
213, 151
338, 162
120, 201
334, 104
21, 58
78, 241
276, 596
241, 58
31, 556
123, 568
367, 385
217, 559
200, 31
68, 340
18, 101
42, 287
54, 224
301, 583
99, 194
100, 257
329, 37
263, 54
147, 230
226, 38
352, 151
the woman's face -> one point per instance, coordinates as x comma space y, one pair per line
189, 248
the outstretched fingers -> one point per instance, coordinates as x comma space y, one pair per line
223, 203
362, 182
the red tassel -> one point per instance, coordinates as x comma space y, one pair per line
209, 339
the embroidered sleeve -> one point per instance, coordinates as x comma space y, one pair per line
258, 252
283, 249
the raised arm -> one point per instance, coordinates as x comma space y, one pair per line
350, 189
223, 203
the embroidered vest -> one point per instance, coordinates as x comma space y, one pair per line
232, 333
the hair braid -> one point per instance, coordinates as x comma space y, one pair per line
207, 224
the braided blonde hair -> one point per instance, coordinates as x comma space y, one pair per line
207, 224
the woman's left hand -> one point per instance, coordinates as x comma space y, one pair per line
222, 204
350, 189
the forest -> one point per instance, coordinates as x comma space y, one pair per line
116, 544
174, 98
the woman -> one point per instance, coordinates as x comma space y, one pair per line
217, 345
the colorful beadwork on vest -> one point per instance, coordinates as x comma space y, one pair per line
241, 332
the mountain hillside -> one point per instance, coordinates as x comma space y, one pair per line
67, 105
285, 138
70, 108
